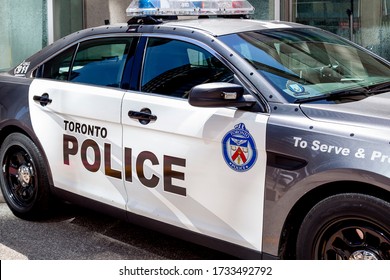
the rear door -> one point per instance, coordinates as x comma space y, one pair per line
76, 114
200, 169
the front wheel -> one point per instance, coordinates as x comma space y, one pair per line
24, 178
346, 227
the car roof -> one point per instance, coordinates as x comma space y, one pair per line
223, 26
211, 26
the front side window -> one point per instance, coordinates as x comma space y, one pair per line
307, 64
173, 67
97, 62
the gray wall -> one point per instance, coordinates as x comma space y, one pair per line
97, 11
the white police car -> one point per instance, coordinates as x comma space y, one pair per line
261, 139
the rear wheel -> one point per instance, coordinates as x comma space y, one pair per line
24, 178
346, 227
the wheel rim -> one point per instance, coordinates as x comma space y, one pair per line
19, 176
353, 239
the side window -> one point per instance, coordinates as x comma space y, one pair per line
58, 67
173, 67
97, 62
100, 62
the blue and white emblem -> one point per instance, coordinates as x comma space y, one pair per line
239, 148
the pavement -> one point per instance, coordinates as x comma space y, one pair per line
75, 233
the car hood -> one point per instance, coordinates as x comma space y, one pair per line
367, 112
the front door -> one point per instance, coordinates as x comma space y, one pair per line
200, 169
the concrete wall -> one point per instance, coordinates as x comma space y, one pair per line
97, 11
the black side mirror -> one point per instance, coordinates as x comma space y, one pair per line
220, 95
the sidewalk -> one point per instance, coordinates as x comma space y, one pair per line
75, 233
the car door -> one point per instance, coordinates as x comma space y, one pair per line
76, 114
200, 169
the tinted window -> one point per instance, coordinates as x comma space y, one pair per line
173, 67
58, 67
97, 62
100, 62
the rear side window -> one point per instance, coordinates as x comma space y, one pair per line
173, 67
97, 62
58, 67
100, 62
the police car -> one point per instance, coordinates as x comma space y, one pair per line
263, 139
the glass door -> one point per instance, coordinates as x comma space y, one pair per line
23, 30
365, 22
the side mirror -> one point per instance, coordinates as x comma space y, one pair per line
220, 95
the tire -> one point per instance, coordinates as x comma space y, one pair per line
346, 227
24, 180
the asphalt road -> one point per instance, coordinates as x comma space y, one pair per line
78, 234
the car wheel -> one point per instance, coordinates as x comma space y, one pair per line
24, 179
346, 227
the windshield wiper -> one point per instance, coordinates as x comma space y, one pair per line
383, 87
365, 91
276, 71
337, 95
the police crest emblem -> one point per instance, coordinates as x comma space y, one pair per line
239, 148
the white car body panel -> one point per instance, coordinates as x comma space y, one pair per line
73, 102
219, 201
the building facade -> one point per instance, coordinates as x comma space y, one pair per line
29, 25
366, 22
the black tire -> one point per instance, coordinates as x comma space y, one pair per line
346, 226
24, 180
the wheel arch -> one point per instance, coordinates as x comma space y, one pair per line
289, 232
14, 127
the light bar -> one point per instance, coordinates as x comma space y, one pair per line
189, 7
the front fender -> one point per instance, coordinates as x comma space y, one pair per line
312, 159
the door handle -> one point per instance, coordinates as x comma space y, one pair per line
144, 116
43, 99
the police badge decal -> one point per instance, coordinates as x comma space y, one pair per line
239, 149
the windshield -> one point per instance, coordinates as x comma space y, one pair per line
309, 64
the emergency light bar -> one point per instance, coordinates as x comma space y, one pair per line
189, 7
